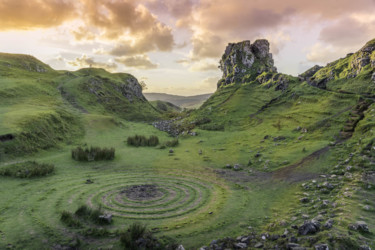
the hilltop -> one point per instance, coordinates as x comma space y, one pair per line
181, 101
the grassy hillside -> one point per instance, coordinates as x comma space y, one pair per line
260, 158
41, 107
188, 102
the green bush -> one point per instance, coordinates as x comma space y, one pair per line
27, 169
142, 141
134, 232
93, 154
172, 143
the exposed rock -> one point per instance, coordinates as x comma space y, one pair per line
240, 245
328, 224
180, 247
360, 226
309, 73
239, 61
364, 247
258, 245
321, 247
106, 218
373, 77
305, 200
309, 227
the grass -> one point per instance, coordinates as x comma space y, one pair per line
93, 154
195, 201
27, 169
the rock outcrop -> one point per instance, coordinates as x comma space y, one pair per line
245, 61
345, 68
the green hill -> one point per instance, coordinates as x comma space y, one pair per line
268, 161
41, 107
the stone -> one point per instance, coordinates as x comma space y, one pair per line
237, 167
106, 217
364, 247
309, 227
360, 226
258, 245
180, 247
274, 237
228, 166
328, 224
171, 151
240, 245
325, 203
305, 200
373, 77
291, 246
321, 247
279, 138
200, 151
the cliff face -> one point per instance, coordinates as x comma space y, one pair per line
244, 61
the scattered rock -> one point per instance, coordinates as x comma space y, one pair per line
228, 166
171, 151
360, 226
180, 247
106, 218
321, 247
258, 245
309, 227
328, 224
305, 200
240, 245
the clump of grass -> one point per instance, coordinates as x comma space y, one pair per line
27, 169
142, 141
93, 154
137, 236
84, 214
69, 219
93, 215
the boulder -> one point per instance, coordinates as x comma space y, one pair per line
305, 200
360, 226
309, 227
180, 247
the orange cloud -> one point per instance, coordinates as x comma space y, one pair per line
140, 62
31, 14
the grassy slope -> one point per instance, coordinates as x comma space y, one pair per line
240, 199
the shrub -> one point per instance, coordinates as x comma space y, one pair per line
132, 234
27, 169
130, 239
172, 143
142, 141
93, 215
93, 154
69, 219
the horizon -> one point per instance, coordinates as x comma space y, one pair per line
175, 46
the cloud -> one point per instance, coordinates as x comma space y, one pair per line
348, 32
85, 61
32, 14
322, 53
215, 23
140, 62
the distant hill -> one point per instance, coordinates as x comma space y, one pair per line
181, 101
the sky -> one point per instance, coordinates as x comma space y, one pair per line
174, 46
